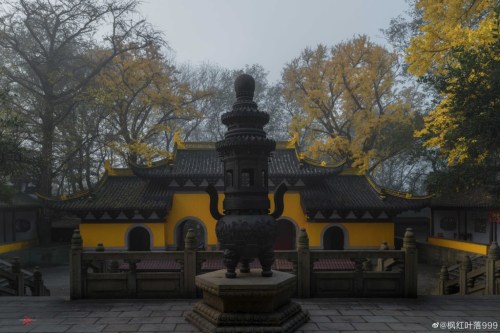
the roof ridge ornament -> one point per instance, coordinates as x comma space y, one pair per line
293, 141
178, 142
108, 168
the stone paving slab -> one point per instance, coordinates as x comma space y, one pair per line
57, 314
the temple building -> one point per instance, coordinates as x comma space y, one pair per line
19, 222
152, 207
466, 221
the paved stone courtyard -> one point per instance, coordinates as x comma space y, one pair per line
58, 314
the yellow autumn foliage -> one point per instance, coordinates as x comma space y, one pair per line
452, 28
143, 97
449, 24
350, 107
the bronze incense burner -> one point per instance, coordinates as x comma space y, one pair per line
246, 230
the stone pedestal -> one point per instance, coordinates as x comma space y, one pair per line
250, 303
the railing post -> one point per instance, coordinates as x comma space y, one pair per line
367, 265
75, 262
132, 277
358, 277
493, 257
114, 266
444, 276
411, 263
381, 261
19, 282
190, 264
465, 267
38, 289
303, 265
101, 263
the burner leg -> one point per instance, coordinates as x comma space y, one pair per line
266, 259
231, 258
245, 266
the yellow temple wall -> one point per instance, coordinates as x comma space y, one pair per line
459, 245
293, 209
358, 234
16, 246
113, 235
191, 206
195, 206
370, 234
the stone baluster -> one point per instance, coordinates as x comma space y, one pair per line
190, 264
86, 265
114, 266
303, 265
470, 280
381, 261
132, 277
19, 277
411, 263
367, 265
358, 276
38, 289
101, 264
465, 267
493, 257
444, 276
75, 261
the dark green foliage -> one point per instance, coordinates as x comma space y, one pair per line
474, 85
12, 156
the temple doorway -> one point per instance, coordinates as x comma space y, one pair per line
139, 239
285, 240
333, 239
182, 229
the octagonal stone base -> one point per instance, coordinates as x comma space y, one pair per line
250, 303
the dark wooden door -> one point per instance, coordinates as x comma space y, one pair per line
139, 240
333, 239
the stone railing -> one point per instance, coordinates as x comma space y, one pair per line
483, 280
171, 274
15, 281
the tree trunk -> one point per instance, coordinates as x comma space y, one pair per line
133, 158
46, 164
45, 188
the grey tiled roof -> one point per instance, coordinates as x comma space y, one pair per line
286, 163
119, 193
324, 188
351, 192
195, 163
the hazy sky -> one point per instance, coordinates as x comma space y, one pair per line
233, 33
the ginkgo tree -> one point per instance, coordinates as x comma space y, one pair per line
143, 99
457, 53
351, 106
447, 25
